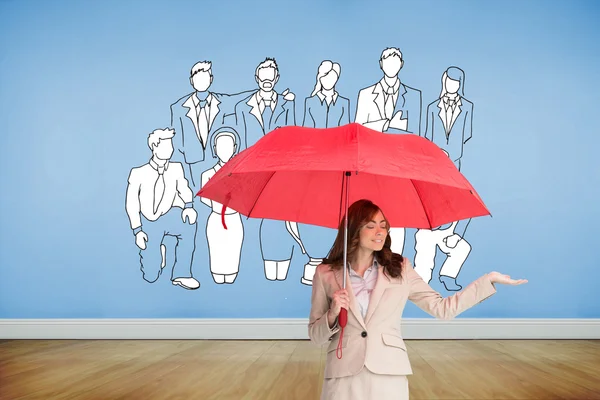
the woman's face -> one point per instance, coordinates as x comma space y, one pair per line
329, 80
374, 233
225, 148
452, 86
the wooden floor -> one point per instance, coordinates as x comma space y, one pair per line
282, 370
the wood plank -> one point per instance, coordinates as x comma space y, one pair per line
230, 369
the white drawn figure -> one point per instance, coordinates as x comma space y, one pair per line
159, 204
255, 116
224, 244
390, 105
265, 109
393, 107
277, 259
316, 241
451, 244
449, 124
325, 107
450, 117
195, 116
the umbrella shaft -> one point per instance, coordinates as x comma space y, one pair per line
346, 179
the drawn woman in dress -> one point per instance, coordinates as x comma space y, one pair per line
224, 245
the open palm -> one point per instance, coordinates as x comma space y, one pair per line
497, 277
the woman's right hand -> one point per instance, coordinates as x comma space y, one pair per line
340, 299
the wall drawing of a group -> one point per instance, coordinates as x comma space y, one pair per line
171, 226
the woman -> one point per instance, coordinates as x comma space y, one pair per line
224, 244
449, 117
374, 363
325, 107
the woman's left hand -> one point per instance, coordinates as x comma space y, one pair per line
497, 277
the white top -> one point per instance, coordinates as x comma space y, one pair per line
363, 286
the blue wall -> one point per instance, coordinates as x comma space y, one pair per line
82, 84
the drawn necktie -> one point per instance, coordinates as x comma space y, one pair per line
266, 116
202, 114
159, 188
389, 103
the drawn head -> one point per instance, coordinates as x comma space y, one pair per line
225, 143
201, 76
161, 143
267, 74
453, 81
391, 62
327, 76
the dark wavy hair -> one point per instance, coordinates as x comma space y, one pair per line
360, 213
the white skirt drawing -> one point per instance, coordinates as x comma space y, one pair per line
225, 245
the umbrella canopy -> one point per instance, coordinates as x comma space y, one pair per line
311, 175
299, 174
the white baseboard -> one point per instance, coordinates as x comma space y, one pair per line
289, 329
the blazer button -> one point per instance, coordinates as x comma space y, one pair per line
363, 334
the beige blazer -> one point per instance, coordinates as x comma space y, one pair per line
376, 342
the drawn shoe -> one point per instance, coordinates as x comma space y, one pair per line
450, 283
187, 283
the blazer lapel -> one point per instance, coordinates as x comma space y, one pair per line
254, 110
378, 99
442, 115
381, 284
280, 109
339, 276
193, 116
401, 92
214, 110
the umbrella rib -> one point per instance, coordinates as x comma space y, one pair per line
424, 211
259, 193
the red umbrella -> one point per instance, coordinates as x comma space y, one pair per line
304, 175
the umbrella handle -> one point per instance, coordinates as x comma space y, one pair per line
343, 317
223, 216
342, 320
225, 204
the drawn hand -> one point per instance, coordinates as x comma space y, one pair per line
190, 214
497, 277
140, 240
287, 95
398, 122
452, 240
